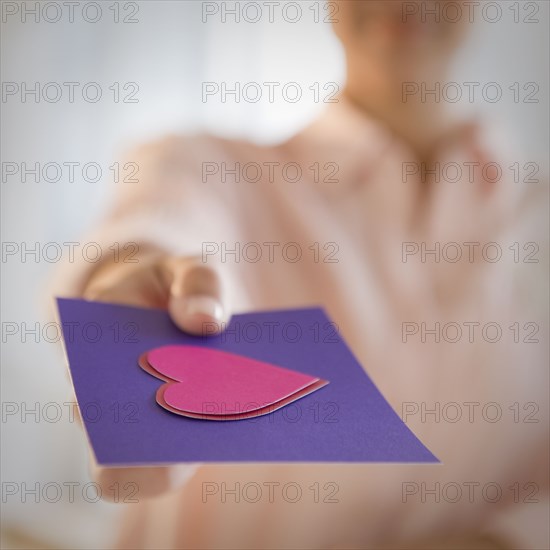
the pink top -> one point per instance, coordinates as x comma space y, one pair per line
365, 223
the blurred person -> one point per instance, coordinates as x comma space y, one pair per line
369, 214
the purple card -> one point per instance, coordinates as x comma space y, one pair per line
348, 420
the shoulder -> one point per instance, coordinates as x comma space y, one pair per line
192, 151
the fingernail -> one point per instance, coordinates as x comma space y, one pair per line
203, 305
197, 313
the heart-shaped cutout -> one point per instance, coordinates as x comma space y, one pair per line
217, 385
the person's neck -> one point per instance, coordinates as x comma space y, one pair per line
395, 100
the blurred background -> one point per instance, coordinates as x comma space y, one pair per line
166, 53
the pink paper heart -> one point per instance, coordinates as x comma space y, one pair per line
218, 385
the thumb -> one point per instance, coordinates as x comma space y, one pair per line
196, 301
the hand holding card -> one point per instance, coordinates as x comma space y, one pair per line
192, 293
189, 290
